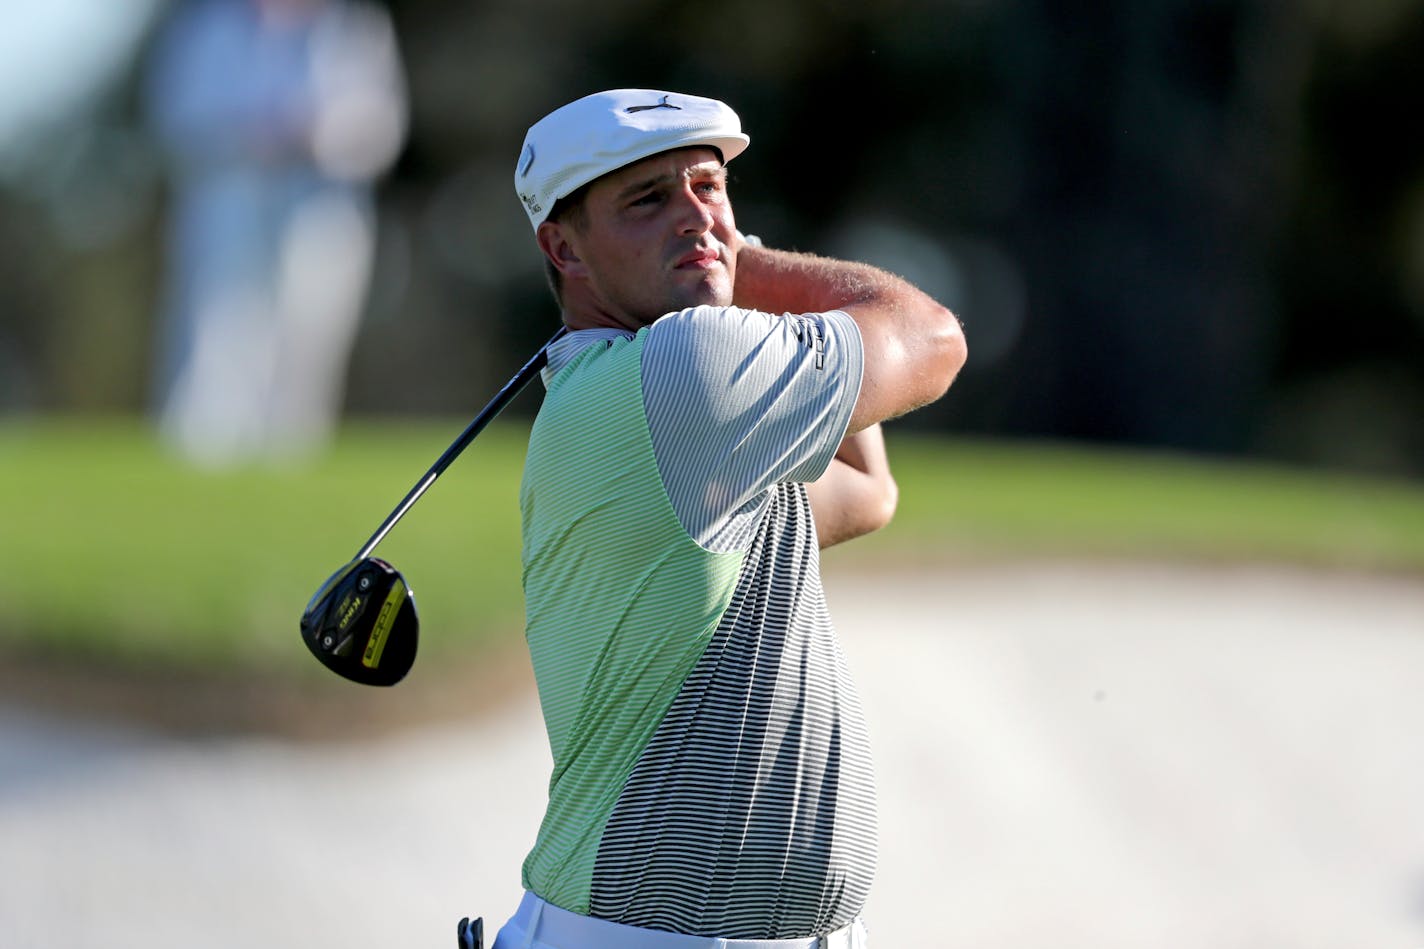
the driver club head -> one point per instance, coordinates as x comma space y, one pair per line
362, 624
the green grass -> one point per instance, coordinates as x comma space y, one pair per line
968, 499
114, 552
113, 549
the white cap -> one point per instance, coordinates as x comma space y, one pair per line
600, 133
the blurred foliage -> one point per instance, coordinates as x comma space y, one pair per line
1192, 224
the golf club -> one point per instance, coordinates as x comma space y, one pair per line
361, 623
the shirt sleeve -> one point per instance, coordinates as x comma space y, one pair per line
738, 400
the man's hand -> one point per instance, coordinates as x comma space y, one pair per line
857, 494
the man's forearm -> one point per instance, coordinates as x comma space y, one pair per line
780, 281
857, 494
864, 452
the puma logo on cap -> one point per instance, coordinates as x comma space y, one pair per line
664, 104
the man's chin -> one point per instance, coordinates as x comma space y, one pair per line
716, 290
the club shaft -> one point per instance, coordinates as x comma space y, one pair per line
496, 405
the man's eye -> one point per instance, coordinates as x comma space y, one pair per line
651, 197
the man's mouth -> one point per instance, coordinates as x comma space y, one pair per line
700, 258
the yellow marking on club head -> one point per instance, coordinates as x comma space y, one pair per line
384, 623
349, 611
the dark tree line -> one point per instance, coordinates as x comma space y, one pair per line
1195, 225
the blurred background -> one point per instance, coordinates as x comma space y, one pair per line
1191, 225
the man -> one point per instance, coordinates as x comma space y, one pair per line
697, 444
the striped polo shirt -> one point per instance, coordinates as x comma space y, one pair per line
712, 771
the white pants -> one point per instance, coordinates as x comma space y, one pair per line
541, 925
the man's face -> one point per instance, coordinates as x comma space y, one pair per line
657, 236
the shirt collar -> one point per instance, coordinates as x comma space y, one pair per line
566, 347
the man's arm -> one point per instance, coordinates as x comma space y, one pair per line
913, 346
857, 494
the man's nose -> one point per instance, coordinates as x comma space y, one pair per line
694, 215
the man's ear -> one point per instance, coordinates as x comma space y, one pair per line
558, 241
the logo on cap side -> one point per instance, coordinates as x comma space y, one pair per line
531, 202
664, 104
528, 161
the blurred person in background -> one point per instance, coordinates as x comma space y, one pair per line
276, 117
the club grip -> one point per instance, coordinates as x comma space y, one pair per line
471, 933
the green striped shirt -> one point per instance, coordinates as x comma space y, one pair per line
711, 766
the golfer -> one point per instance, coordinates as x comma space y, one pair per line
711, 421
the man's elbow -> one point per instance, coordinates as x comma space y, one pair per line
882, 512
877, 508
950, 351
908, 370
872, 508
